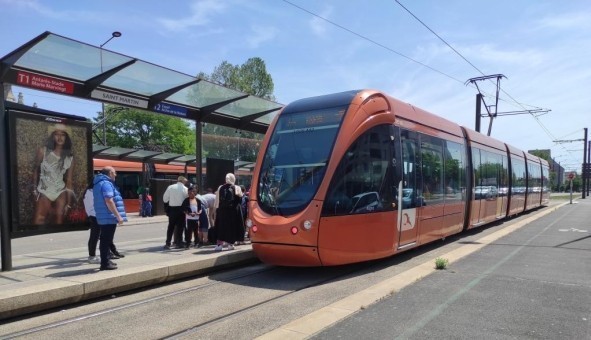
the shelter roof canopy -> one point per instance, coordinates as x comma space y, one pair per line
92, 68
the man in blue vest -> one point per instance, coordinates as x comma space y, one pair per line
110, 212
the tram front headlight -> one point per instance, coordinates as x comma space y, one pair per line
249, 223
307, 224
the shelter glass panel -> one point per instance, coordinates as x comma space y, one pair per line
69, 59
146, 79
203, 94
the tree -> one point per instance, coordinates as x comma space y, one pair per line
251, 78
138, 129
544, 154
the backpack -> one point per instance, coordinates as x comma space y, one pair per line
227, 193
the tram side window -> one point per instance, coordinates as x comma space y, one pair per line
454, 172
362, 182
504, 184
545, 179
128, 184
518, 177
535, 178
491, 175
411, 195
478, 173
432, 167
531, 177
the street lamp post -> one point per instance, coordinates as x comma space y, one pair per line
115, 34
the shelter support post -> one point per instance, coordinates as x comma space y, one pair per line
5, 212
585, 176
198, 153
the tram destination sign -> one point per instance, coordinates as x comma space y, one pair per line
119, 99
313, 119
44, 83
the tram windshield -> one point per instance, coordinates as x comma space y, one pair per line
296, 158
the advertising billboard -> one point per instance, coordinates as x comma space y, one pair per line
50, 165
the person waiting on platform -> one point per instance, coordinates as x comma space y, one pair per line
193, 208
227, 216
146, 206
95, 230
110, 212
174, 196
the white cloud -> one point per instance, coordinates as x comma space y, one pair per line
201, 13
493, 54
49, 13
573, 20
261, 34
319, 26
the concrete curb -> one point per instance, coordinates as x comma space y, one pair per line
41, 293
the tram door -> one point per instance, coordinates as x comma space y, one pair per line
409, 195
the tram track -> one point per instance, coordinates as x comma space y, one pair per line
130, 305
193, 330
331, 275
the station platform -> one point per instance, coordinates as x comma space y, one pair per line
51, 279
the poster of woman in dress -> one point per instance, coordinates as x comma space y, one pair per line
51, 164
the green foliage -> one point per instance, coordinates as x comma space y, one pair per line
235, 147
544, 154
441, 263
251, 77
134, 128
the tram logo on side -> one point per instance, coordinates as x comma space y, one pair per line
408, 219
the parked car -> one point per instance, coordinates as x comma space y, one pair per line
366, 202
485, 192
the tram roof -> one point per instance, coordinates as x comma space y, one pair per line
54, 63
157, 157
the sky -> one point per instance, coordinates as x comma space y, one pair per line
421, 52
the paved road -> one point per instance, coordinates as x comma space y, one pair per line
533, 283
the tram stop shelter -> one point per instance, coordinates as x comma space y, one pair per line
57, 64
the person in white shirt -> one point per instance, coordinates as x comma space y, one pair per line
209, 199
173, 197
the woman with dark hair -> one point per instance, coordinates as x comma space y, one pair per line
192, 207
52, 176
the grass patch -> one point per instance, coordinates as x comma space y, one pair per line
441, 263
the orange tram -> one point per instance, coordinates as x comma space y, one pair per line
357, 176
129, 177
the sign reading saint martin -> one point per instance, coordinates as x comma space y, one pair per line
119, 99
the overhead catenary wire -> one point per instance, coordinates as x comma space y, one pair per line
373, 41
546, 130
519, 104
392, 50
